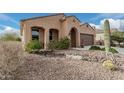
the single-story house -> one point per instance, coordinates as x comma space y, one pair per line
55, 27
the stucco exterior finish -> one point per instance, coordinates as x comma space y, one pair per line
64, 25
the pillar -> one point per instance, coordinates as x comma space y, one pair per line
46, 39
78, 39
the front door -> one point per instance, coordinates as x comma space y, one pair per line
73, 38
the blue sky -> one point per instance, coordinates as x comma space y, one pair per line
10, 21
18, 16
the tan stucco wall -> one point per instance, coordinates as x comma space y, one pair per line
87, 30
60, 22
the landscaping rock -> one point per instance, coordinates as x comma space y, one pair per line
78, 57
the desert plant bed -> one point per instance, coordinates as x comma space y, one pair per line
19, 65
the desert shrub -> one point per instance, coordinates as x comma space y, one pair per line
118, 36
122, 46
11, 57
18, 39
103, 49
53, 44
82, 46
10, 37
33, 45
109, 65
110, 50
94, 48
113, 50
63, 43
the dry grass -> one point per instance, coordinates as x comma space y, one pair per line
16, 65
44, 68
11, 56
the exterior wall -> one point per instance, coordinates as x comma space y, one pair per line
63, 24
87, 30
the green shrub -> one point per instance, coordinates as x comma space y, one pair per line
63, 43
53, 44
18, 39
122, 46
94, 48
10, 37
33, 45
110, 50
103, 49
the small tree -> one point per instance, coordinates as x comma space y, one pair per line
118, 37
10, 37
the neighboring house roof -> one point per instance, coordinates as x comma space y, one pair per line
99, 31
114, 30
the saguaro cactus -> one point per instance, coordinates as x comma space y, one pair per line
107, 35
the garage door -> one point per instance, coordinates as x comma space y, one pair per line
86, 39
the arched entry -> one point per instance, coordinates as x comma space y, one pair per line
73, 37
38, 34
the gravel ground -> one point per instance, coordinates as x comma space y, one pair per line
16, 64
37, 67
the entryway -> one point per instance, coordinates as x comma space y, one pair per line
73, 34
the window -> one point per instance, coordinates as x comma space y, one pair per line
35, 33
50, 35
53, 34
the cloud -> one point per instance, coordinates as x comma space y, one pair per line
96, 26
7, 29
8, 18
122, 25
107, 16
115, 20
114, 23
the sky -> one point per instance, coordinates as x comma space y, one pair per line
10, 22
